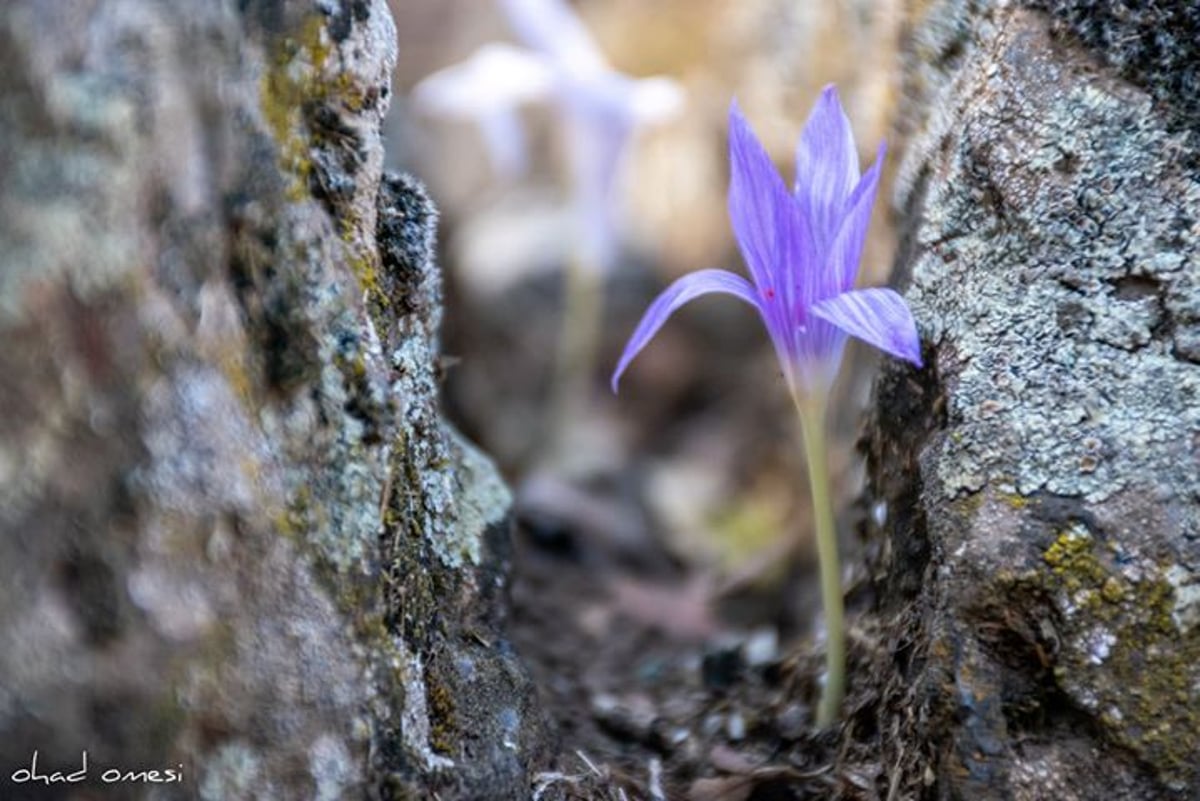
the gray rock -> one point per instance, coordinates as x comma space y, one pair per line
1042, 548
237, 539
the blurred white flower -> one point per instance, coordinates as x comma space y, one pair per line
599, 108
487, 88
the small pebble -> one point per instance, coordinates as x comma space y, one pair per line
678, 735
792, 721
762, 647
879, 512
720, 669
735, 726
633, 717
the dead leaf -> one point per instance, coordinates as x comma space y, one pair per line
682, 611
729, 760
730, 788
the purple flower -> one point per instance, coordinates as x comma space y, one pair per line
802, 249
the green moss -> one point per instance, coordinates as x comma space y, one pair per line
411, 602
443, 717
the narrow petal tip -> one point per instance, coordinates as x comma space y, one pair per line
911, 352
690, 286
826, 164
736, 115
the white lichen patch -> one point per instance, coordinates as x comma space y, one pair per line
483, 501
1186, 585
1055, 276
415, 714
179, 608
235, 771
332, 768
508, 722
82, 236
1099, 645
205, 453
1064, 380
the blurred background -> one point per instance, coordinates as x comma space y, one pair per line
679, 509
698, 452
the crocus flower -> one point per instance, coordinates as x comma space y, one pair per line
802, 249
599, 108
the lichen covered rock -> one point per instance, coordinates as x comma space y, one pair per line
1042, 556
237, 539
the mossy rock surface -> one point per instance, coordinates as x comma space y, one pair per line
236, 534
1041, 555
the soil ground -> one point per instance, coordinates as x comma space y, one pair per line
668, 673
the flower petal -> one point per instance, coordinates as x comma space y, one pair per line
826, 165
496, 76
487, 88
799, 268
819, 348
846, 250
692, 285
657, 99
756, 195
598, 138
504, 139
879, 317
552, 28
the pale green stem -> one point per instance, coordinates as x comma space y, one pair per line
812, 427
579, 340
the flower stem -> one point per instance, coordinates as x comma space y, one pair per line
579, 339
812, 427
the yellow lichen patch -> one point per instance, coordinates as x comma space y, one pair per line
352, 97
1072, 557
1112, 591
232, 364
1153, 669
364, 263
294, 77
298, 75
1015, 500
295, 517
968, 504
1141, 670
365, 266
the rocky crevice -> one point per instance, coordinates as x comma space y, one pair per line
1039, 558
237, 534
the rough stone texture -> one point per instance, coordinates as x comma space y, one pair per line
236, 537
1040, 568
